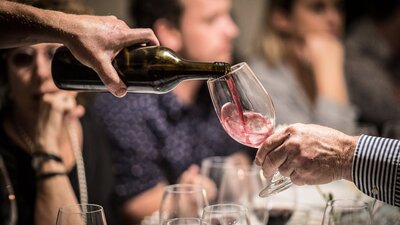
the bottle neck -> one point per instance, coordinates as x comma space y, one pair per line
204, 70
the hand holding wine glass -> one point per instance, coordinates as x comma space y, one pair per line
246, 112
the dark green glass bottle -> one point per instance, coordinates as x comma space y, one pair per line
143, 70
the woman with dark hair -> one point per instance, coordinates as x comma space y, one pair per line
300, 62
45, 139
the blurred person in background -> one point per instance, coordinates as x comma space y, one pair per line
45, 133
373, 63
300, 62
161, 139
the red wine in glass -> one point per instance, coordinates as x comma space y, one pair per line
246, 112
246, 127
279, 216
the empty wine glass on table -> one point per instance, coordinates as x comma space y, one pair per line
213, 169
225, 214
81, 214
247, 113
182, 201
8, 205
241, 185
347, 211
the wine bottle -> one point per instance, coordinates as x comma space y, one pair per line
143, 70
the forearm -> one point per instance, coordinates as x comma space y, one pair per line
23, 25
376, 169
52, 193
331, 83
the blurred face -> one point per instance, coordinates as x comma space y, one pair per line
315, 16
29, 75
207, 30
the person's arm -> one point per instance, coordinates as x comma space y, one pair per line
312, 154
52, 193
56, 112
326, 56
376, 168
93, 40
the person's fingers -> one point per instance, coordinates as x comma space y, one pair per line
269, 145
141, 36
286, 169
274, 160
194, 169
111, 80
297, 179
77, 112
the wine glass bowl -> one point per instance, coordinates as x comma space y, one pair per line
182, 201
246, 112
81, 214
347, 211
244, 108
225, 214
241, 185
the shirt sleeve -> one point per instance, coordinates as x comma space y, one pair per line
376, 168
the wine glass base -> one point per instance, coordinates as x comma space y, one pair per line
276, 186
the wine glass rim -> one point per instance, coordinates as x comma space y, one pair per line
77, 208
184, 188
215, 208
234, 69
348, 203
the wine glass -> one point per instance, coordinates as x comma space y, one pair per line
241, 185
182, 201
225, 214
281, 207
8, 207
347, 211
247, 113
214, 169
385, 214
184, 221
81, 214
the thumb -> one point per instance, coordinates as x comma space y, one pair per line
194, 169
111, 80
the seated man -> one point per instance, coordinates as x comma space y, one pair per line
160, 139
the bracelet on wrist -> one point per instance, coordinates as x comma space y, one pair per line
39, 158
46, 176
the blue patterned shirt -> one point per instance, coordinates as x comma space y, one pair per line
376, 168
156, 138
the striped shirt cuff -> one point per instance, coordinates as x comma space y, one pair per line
376, 169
